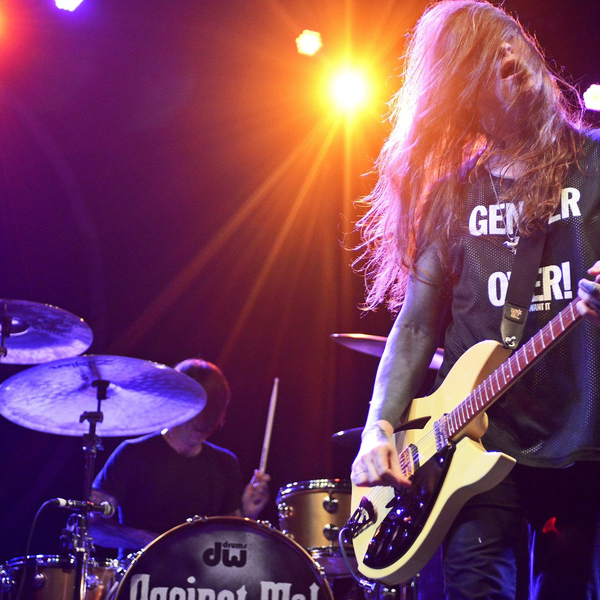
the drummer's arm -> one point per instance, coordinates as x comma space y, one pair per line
110, 533
256, 495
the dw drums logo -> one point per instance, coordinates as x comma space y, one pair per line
228, 553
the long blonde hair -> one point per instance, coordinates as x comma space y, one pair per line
437, 132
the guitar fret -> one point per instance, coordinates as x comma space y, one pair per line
572, 311
453, 419
478, 398
534, 351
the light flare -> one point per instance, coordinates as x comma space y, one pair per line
309, 42
68, 4
591, 97
349, 89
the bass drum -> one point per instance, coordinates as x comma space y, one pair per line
223, 558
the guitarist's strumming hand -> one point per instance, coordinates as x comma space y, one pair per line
589, 292
377, 461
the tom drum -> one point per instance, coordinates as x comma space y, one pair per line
47, 577
312, 513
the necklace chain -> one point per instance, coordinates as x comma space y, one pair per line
513, 239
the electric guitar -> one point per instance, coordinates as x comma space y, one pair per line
395, 531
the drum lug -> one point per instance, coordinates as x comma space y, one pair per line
330, 504
285, 511
38, 580
196, 518
331, 532
92, 582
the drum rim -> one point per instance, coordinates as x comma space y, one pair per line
259, 525
45, 560
315, 484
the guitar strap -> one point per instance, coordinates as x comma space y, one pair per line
521, 287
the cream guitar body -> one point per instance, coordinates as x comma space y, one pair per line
396, 531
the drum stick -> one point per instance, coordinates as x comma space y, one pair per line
269, 428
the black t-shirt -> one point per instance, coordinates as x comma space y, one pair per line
158, 489
551, 417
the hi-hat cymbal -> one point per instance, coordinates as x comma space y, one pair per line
374, 345
37, 333
142, 396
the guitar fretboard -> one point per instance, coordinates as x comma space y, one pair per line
491, 388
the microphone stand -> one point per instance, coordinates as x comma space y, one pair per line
81, 540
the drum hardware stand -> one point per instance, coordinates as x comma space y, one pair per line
80, 540
5, 324
9, 325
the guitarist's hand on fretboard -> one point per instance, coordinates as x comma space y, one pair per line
589, 292
377, 461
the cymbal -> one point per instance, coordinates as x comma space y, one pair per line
142, 397
38, 333
374, 345
352, 437
348, 437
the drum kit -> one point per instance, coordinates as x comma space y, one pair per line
206, 558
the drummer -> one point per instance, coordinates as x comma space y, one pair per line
157, 481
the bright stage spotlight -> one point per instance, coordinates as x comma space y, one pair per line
309, 42
68, 4
591, 97
349, 89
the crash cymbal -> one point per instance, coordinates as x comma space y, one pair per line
142, 396
348, 437
374, 345
367, 344
352, 437
37, 333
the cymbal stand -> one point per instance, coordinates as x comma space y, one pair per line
81, 544
5, 327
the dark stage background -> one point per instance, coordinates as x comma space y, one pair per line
169, 173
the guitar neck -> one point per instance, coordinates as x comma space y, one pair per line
507, 374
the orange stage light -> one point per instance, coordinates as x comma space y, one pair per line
349, 89
309, 42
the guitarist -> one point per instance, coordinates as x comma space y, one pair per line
484, 147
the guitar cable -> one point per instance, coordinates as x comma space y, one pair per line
364, 583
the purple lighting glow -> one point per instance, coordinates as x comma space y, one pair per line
68, 4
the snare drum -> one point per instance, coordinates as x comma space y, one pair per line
45, 577
223, 558
312, 513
